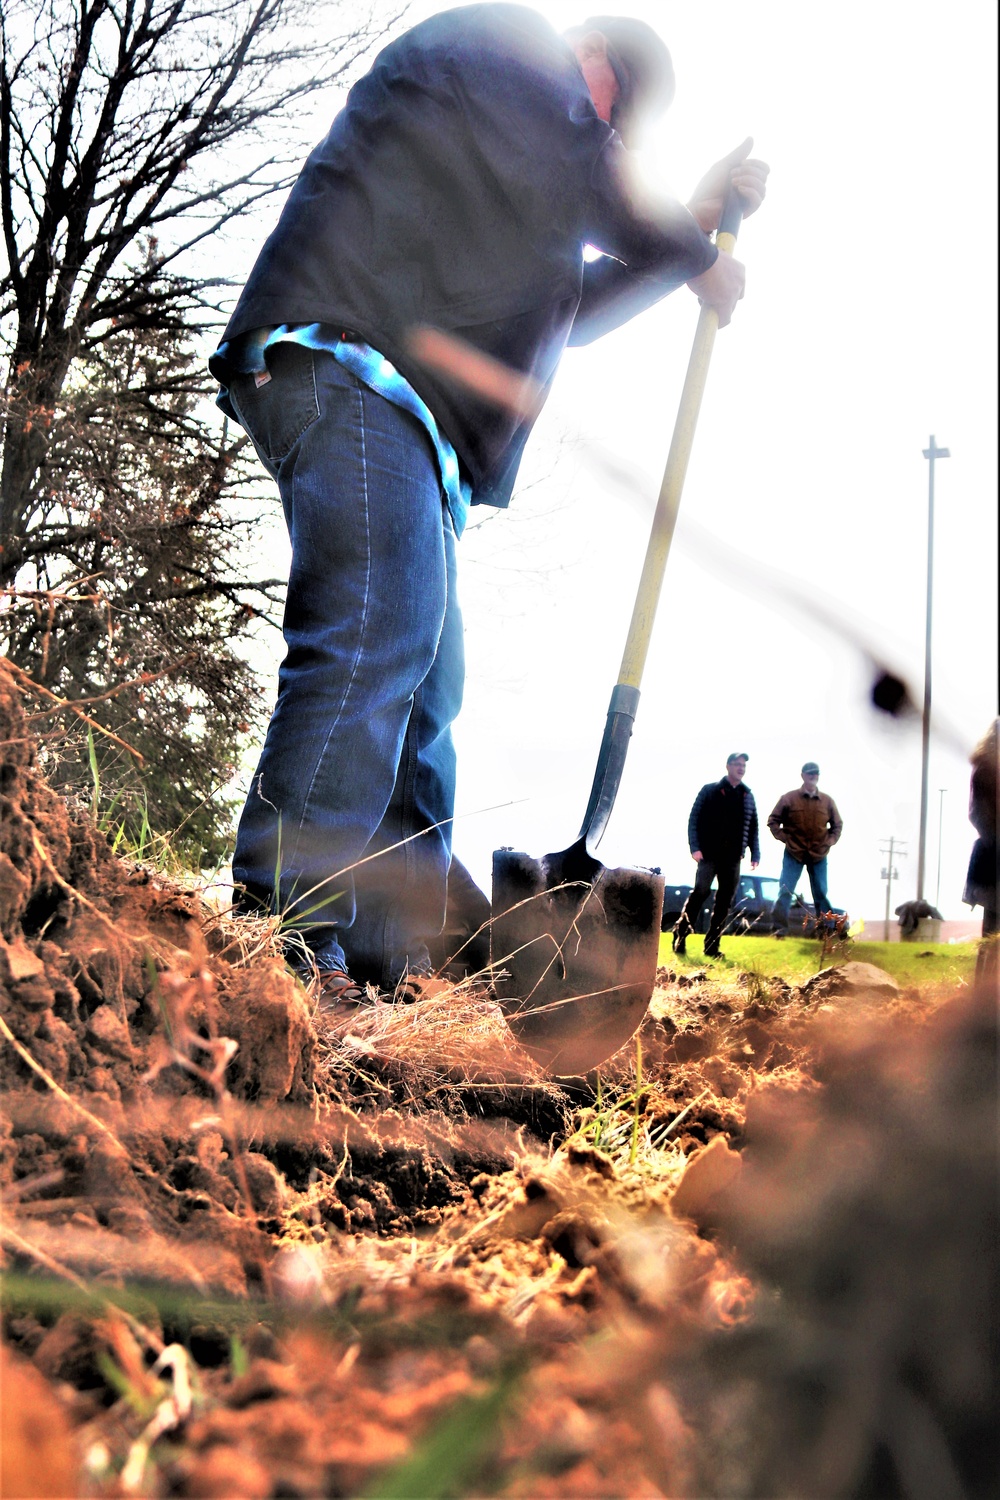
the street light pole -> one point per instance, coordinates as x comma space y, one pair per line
931, 454
941, 792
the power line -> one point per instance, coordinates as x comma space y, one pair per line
889, 874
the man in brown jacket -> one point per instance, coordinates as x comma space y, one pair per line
807, 822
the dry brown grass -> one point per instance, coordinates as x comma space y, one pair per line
451, 1040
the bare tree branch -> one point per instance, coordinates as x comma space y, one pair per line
131, 133
115, 124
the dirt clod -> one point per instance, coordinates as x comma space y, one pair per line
851, 981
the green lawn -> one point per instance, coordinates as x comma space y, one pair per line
912, 964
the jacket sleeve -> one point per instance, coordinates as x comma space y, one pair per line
612, 294
696, 807
646, 256
836, 824
774, 821
753, 837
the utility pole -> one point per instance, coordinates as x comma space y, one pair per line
889, 874
931, 454
937, 894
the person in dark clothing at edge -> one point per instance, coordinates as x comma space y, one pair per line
456, 189
723, 823
983, 878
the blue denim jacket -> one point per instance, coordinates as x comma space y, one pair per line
458, 188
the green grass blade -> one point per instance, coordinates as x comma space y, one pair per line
95, 773
456, 1452
144, 831
634, 1147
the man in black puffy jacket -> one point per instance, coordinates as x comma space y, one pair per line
457, 189
722, 825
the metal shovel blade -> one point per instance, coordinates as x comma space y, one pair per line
574, 953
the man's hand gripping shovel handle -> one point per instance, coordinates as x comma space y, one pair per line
625, 694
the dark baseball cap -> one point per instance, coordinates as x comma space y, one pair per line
810, 768
736, 755
643, 68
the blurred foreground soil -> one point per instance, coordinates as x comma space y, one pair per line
246, 1257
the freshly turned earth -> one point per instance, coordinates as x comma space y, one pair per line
399, 1245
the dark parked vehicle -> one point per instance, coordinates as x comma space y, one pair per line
751, 911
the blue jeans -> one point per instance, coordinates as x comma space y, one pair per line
791, 873
358, 763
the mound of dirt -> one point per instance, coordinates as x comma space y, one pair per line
852, 982
142, 1067
249, 1257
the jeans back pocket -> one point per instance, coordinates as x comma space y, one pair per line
276, 413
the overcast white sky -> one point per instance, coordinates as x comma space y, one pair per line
869, 323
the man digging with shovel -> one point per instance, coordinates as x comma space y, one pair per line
456, 190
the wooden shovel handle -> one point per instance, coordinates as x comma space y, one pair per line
665, 519
625, 694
